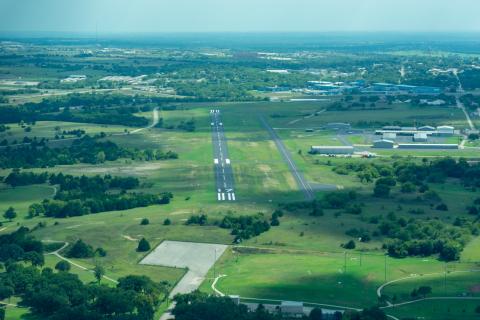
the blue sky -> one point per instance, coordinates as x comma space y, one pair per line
120, 16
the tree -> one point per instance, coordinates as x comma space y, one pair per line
144, 222
10, 214
381, 191
100, 158
143, 245
63, 266
80, 250
6, 292
167, 222
101, 252
424, 290
98, 272
407, 187
35, 258
317, 210
349, 245
316, 314
35, 210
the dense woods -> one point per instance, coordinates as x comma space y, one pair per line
78, 196
84, 150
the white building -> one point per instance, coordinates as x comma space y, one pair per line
389, 136
292, 308
383, 144
420, 137
445, 131
426, 128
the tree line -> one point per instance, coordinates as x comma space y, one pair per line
200, 306
77, 196
84, 150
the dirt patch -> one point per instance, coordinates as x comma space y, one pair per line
265, 169
74, 227
176, 213
129, 238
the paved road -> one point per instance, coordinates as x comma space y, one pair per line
222, 165
197, 258
467, 116
303, 185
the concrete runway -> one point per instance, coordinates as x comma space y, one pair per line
222, 164
302, 183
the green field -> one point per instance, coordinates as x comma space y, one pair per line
303, 259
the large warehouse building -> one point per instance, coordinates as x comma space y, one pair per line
331, 150
383, 144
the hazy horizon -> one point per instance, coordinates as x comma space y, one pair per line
248, 16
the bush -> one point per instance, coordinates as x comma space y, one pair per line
381, 191
144, 222
101, 252
143, 245
63, 266
442, 207
349, 245
167, 222
200, 220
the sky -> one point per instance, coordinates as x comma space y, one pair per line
157, 16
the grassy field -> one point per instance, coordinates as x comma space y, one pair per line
299, 263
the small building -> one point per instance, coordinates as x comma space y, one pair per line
292, 309
392, 128
383, 144
427, 146
420, 137
331, 150
445, 131
409, 129
389, 136
235, 299
338, 126
426, 128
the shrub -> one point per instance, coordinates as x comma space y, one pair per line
101, 252
63, 266
144, 222
349, 245
143, 245
167, 222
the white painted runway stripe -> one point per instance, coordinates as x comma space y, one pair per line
229, 196
215, 161
233, 196
219, 196
223, 196
227, 161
